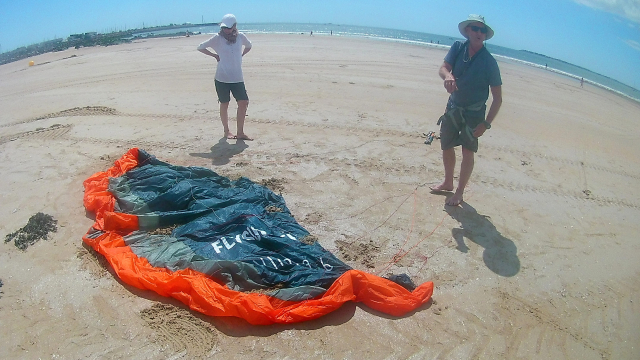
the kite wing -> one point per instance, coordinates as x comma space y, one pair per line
222, 247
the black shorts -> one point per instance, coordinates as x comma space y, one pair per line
237, 89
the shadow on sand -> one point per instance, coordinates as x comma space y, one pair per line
500, 253
222, 152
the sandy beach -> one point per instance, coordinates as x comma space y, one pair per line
539, 262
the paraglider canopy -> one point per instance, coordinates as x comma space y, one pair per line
232, 248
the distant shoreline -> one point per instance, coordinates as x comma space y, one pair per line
89, 39
170, 27
437, 41
573, 76
521, 62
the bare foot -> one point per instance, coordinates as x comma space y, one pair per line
243, 137
441, 187
455, 200
229, 135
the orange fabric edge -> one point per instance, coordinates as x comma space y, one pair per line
202, 293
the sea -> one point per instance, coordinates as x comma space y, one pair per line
425, 39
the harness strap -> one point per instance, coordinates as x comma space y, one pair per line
451, 114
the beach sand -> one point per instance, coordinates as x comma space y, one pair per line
540, 262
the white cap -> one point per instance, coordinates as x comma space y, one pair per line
228, 21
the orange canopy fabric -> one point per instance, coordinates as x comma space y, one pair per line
206, 295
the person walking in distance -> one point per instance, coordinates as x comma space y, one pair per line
229, 47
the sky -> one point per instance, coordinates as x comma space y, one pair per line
600, 35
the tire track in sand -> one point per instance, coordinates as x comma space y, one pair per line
61, 131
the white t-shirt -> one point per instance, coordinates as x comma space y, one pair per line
229, 68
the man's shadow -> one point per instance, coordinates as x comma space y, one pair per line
222, 152
500, 253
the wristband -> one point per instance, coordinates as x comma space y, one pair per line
486, 124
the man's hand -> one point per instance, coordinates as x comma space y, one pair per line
447, 76
450, 83
479, 130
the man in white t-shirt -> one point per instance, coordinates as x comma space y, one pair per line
229, 46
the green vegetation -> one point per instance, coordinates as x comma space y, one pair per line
76, 40
85, 40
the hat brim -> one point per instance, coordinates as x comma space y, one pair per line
466, 23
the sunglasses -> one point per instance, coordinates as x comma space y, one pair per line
478, 28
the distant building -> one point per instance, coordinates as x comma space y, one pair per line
87, 35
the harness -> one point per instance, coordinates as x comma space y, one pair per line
456, 116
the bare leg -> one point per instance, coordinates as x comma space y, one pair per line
466, 168
224, 116
242, 113
449, 161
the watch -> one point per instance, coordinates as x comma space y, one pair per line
486, 124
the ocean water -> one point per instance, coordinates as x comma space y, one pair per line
433, 40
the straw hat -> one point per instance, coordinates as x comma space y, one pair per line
475, 18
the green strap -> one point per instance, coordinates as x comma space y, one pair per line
451, 115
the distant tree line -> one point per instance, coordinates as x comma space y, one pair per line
75, 40
85, 40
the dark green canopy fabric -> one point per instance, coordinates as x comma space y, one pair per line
238, 232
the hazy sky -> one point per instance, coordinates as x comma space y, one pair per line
600, 35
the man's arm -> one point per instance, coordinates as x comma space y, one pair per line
496, 103
207, 52
496, 94
447, 76
247, 44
